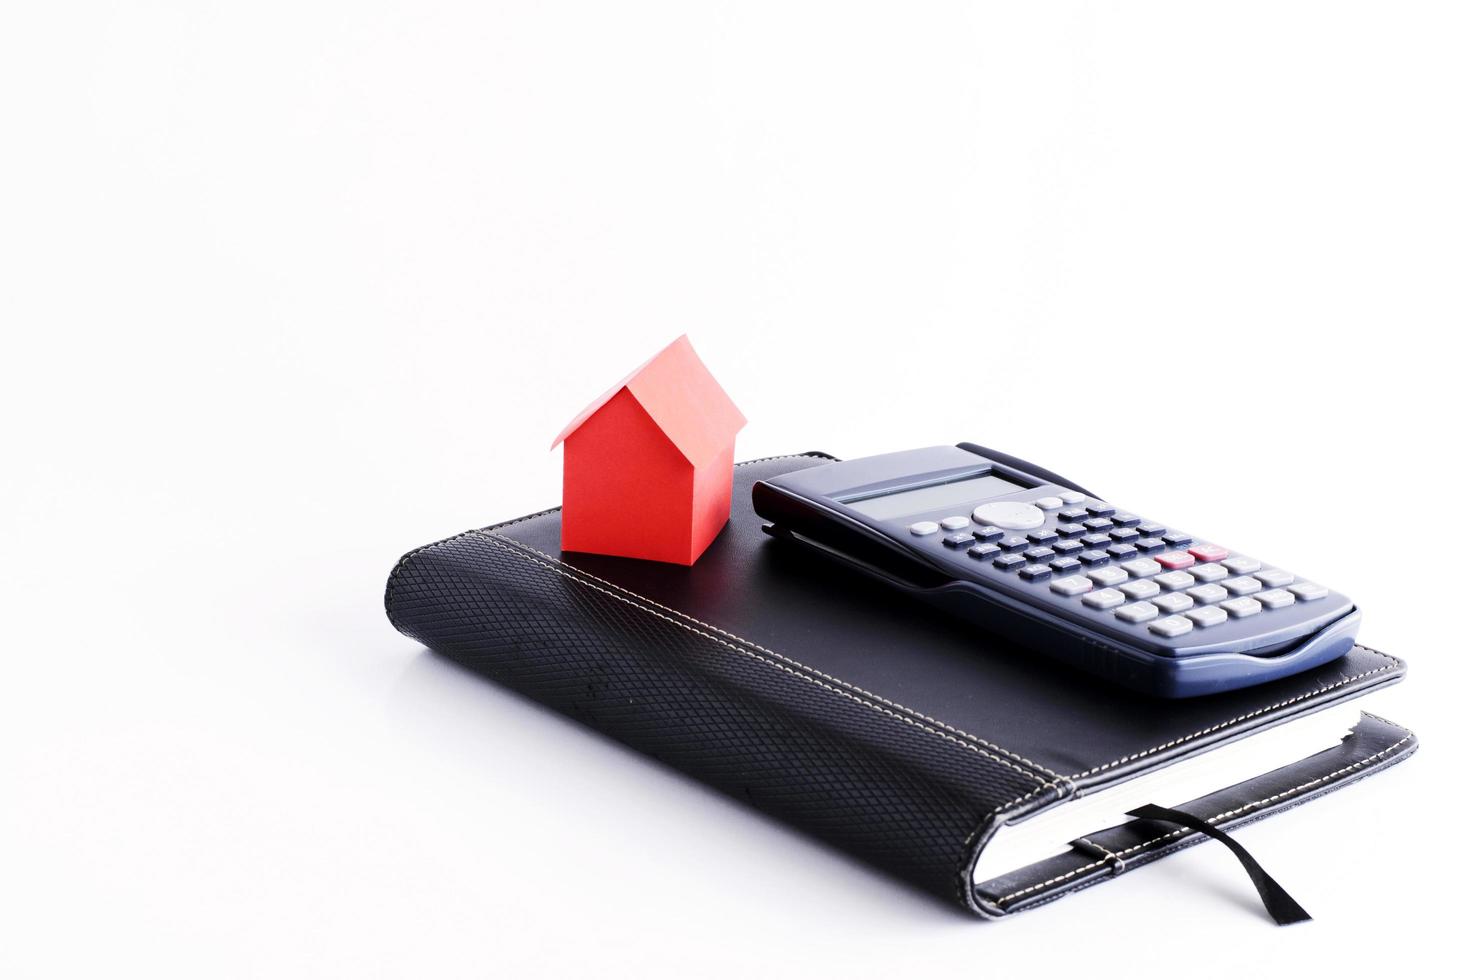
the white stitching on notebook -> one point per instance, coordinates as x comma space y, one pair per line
1119, 855
522, 551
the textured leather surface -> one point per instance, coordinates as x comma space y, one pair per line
815, 696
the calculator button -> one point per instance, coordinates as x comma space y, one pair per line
1042, 537
1068, 547
1013, 543
1036, 573
1062, 565
1208, 594
1153, 529
1140, 588
1048, 503
1244, 605
1175, 580
1127, 520
1104, 599
1039, 553
1208, 573
1206, 616
1243, 585
1095, 540
1173, 602
982, 551
1125, 534
1176, 559
1177, 539
1274, 577
1093, 558
958, 540
1240, 565
1121, 550
1109, 576
1141, 567
954, 523
1008, 562
1073, 514
1073, 585
1099, 523
1015, 515
1136, 612
988, 533
1072, 497
1276, 598
1171, 626
1099, 508
922, 528
1151, 545
1072, 530
1304, 591
1208, 552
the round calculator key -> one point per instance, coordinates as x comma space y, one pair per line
1072, 497
1113, 575
1240, 565
1173, 602
1243, 585
1048, 503
1140, 588
1137, 612
1208, 573
1142, 567
1309, 591
1104, 599
1244, 605
1175, 580
922, 528
1176, 559
1276, 598
1208, 594
1208, 552
955, 523
1171, 626
1015, 515
1274, 577
1206, 616
1073, 585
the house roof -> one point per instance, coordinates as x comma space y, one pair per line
682, 398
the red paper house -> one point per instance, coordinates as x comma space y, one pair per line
648, 464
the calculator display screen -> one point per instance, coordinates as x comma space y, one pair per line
938, 497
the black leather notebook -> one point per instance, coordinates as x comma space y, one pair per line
910, 740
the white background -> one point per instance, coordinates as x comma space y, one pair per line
290, 288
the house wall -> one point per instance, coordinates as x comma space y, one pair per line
713, 484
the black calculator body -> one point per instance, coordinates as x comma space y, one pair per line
1017, 550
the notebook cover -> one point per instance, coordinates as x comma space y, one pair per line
899, 735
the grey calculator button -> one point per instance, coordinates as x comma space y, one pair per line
1211, 572
1073, 585
1175, 580
1113, 575
1239, 565
1276, 598
1208, 594
1049, 503
1274, 577
1072, 497
1015, 515
1142, 567
1171, 626
1207, 616
1243, 585
1244, 605
954, 523
1104, 599
1140, 588
1309, 591
922, 528
1173, 602
1136, 612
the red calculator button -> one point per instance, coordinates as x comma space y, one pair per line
1208, 552
1176, 559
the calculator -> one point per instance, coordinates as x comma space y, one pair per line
1017, 550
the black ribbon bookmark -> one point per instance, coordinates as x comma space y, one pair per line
1281, 907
